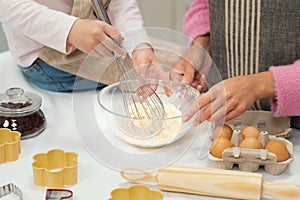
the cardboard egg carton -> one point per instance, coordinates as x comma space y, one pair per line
264, 121
251, 159
272, 128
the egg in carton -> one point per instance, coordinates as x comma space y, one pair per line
271, 128
251, 159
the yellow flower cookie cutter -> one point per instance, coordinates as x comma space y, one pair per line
55, 168
10, 146
136, 192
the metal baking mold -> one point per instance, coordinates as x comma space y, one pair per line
59, 194
136, 192
9, 189
55, 169
10, 146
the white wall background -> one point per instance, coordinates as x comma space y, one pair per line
164, 13
3, 43
157, 13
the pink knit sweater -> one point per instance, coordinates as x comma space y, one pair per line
286, 78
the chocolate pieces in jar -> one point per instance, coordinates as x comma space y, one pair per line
20, 111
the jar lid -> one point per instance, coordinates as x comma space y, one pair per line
16, 102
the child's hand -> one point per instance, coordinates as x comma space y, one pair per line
94, 36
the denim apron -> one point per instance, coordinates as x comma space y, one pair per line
248, 37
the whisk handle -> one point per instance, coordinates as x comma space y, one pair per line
100, 11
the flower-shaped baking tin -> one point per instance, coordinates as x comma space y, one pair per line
55, 169
136, 192
10, 146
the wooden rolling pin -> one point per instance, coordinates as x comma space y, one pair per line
214, 182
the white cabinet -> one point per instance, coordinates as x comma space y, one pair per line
164, 13
3, 43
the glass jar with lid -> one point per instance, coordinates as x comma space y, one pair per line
20, 111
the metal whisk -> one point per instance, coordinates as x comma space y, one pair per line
141, 102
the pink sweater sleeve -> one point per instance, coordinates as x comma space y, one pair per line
196, 22
287, 88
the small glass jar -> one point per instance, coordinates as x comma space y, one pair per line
20, 111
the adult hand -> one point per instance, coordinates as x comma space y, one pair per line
148, 66
194, 65
184, 72
143, 55
95, 36
232, 97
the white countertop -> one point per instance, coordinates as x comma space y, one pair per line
95, 179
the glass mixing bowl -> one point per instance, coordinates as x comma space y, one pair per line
181, 98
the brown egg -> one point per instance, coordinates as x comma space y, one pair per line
251, 143
222, 131
279, 149
250, 131
218, 146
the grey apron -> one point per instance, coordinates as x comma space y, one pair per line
248, 37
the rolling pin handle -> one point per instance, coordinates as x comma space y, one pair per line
281, 190
139, 175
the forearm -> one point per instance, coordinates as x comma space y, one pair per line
263, 85
203, 41
196, 28
37, 22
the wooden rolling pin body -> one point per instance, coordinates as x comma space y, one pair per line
216, 182
211, 182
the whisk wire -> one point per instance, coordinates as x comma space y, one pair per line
152, 106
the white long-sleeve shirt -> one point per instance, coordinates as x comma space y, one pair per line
30, 25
